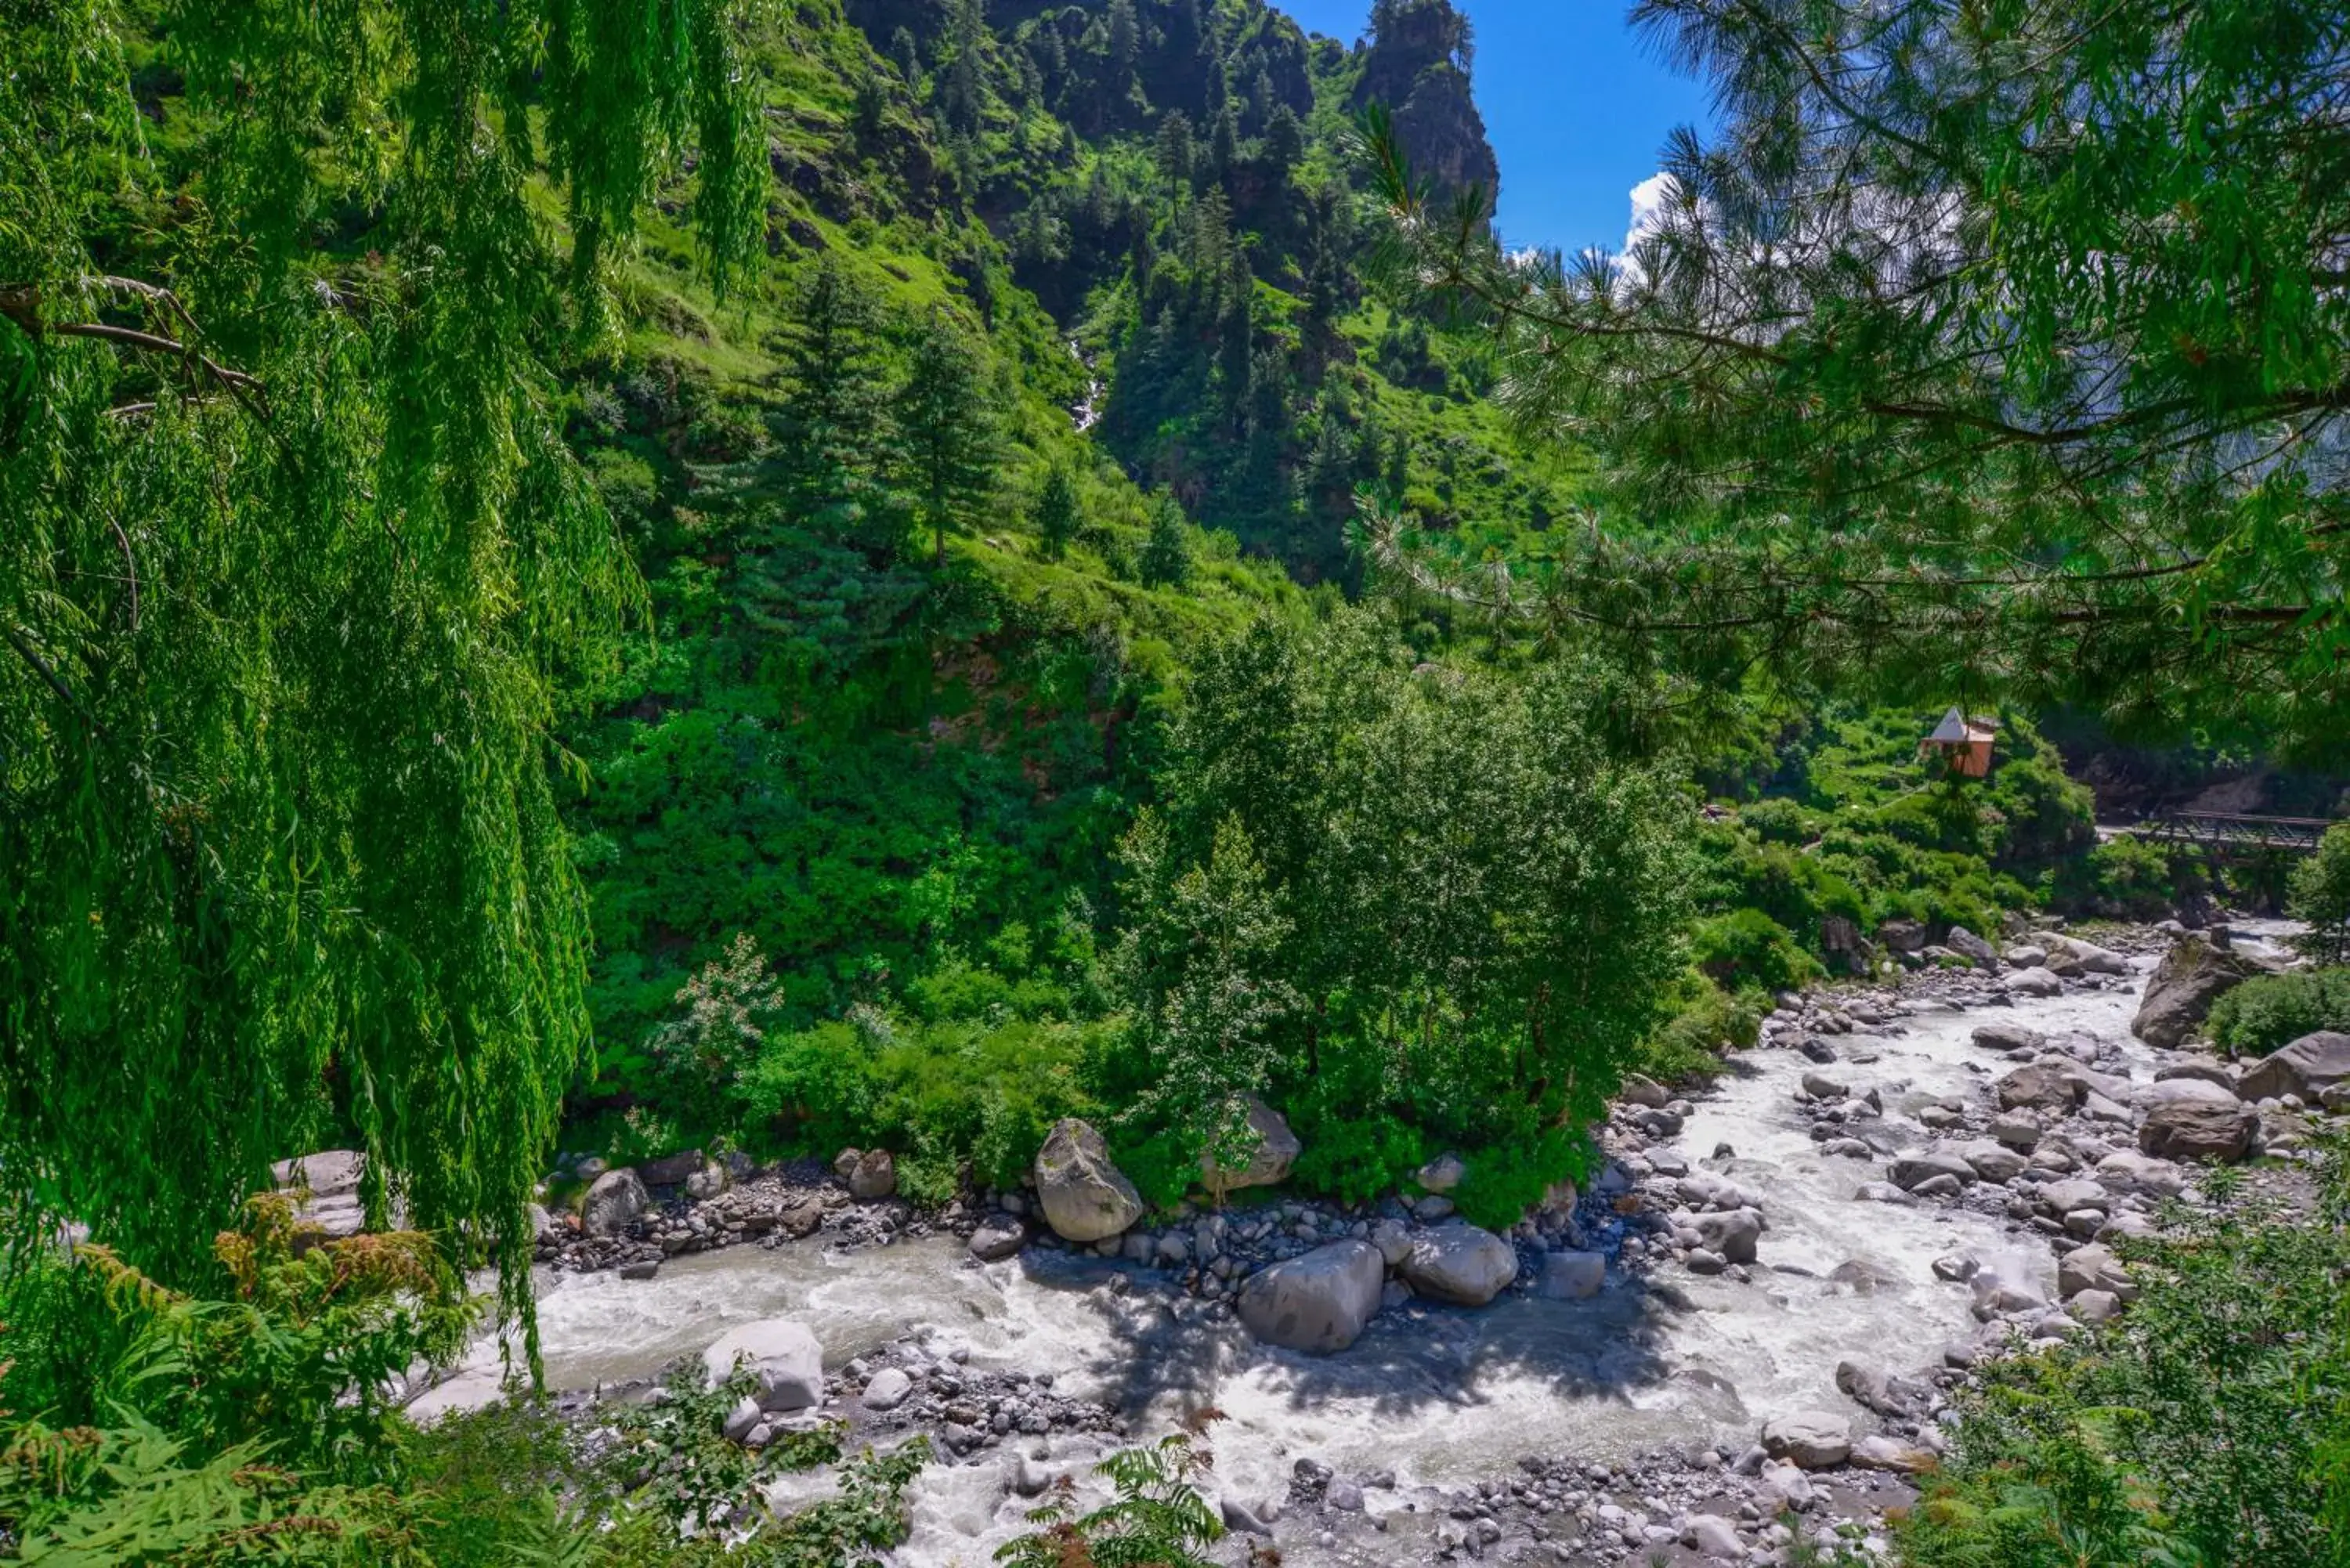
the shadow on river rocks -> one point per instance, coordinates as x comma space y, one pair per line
1801, 1263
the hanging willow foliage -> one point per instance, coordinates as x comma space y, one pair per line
293, 567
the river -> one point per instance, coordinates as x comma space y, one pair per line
1437, 1395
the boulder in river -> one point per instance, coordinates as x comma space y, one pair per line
1730, 1233
2192, 975
1458, 1263
1318, 1301
2308, 1068
1261, 1155
329, 1173
1813, 1439
2093, 1268
2186, 1119
781, 1354
2034, 981
2040, 1085
671, 1169
613, 1203
1086, 1198
1912, 1171
1993, 1161
1572, 1276
999, 1236
2009, 1037
1972, 948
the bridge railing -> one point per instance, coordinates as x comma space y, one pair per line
2225, 830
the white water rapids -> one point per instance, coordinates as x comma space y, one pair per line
1437, 1395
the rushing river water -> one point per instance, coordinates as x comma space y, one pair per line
1436, 1395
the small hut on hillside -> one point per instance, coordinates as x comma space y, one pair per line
1962, 742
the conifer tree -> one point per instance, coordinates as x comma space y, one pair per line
944, 415
1056, 518
834, 429
1166, 560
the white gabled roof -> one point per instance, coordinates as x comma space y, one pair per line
1952, 731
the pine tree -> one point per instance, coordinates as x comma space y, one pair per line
1056, 518
945, 412
835, 427
1166, 560
1172, 153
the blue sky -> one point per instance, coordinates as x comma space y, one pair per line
1575, 106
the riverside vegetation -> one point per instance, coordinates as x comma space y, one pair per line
882, 575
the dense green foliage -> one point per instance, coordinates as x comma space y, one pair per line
1377, 891
1157, 1517
2319, 896
2272, 1010
2208, 1425
142, 1426
297, 574
1998, 344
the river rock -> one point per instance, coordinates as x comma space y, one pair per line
1441, 1174
1731, 1233
2126, 1170
1914, 1170
2186, 1119
2017, 1129
1458, 1263
1813, 1439
613, 1203
2308, 1068
780, 1352
1642, 1090
1274, 1149
709, 1182
2039, 1086
1993, 1160
1086, 1198
1972, 948
2076, 1192
1393, 1239
1881, 1452
1572, 1276
2210, 1072
2009, 1037
873, 1174
2093, 1268
671, 1169
887, 1389
1820, 1087
2192, 975
999, 1236
2034, 981
1318, 1301
1713, 1537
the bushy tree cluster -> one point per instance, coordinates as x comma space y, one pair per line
1383, 891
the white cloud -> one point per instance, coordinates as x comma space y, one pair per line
1647, 207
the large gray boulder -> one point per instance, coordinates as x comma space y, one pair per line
1912, 1170
1458, 1263
2192, 975
1972, 948
1810, 1438
2093, 1268
2041, 1086
780, 1354
2186, 1119
1086, 1198
1731, 1233
998, 1236
2308, 1068
1318, 1301
670, 1170
1261, 1156
613, 1203
872, 1175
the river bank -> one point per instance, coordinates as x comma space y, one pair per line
1599, 1430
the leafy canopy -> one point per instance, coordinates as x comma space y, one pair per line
1988, 346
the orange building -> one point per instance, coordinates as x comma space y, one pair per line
1963, 743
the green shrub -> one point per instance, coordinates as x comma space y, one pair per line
1748, 948
2126, 878
2274, 1010
2196, 1429
1505, 1181
1352, 1156
1685, 1046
